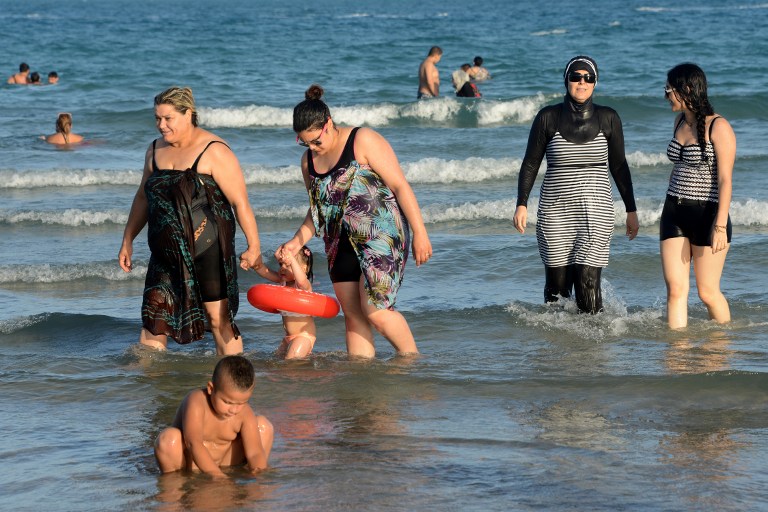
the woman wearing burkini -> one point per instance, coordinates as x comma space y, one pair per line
695, 225
575, 220
360, 200
190, 194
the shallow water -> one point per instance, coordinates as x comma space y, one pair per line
513, 405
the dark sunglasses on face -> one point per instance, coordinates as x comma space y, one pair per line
578, 77
316, 142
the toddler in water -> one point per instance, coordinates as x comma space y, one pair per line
215, 427
300, 333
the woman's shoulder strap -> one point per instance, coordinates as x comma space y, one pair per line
711, 124
197, 160
678, 123
154, 162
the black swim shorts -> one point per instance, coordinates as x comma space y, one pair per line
346, 267
690, 219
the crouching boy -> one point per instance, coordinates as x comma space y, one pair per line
215, 427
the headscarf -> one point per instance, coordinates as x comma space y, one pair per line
577, 123
580, 63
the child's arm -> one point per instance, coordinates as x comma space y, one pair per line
192, 430
268, 274
255, 452
299, 275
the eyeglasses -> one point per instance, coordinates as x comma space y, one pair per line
316, 142
667, 90
578, 77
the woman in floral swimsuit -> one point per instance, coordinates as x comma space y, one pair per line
360, 200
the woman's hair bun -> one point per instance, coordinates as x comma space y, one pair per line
315, 92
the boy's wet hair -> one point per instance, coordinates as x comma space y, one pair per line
305, 255
237, 369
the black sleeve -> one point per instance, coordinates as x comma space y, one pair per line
534, 153
617, 160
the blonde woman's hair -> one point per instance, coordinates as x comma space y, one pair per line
64, 125
179, 98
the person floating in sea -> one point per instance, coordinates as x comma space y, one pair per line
53, 77
215, 426
300, 330
63, 135
462, 83
22, 77
429, 76
477, 71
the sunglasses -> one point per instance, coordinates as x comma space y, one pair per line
667, 90
316, 142
578, 77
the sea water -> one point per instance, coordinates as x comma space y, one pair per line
513, 405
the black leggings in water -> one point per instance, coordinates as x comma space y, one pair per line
585, 280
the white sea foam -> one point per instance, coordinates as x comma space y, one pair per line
471, 170
439, 110
520, 110
641, 159
614, 321
427, 170
553, 32
69, 217
263, 175
241, 117
68, 178
46, 273
748, 213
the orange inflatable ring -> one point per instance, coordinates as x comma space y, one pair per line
273, 298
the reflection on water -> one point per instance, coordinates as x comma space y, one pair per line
710, 354
703, 448
183, 491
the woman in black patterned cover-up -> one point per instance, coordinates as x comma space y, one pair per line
190, 195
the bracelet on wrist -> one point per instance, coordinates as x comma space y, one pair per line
720, 229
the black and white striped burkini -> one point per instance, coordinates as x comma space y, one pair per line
575, 216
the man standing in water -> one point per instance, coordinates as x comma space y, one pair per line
429, 77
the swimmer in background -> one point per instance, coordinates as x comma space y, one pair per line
215, 426
462, 83
63, 135
429, 76
477, 72
34, 78
300, 331
53, 77
22, 77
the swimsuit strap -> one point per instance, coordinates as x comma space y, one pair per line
679, 124
346, 158
154, 162
194, 165
711, 125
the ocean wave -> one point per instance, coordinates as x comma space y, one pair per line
67, 178
553, 32
439, 110
427, 170
46, 273
749, 213
68, 217
16, 324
